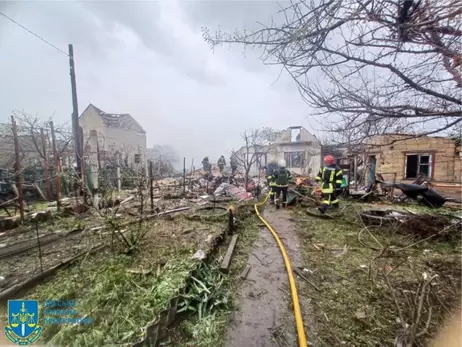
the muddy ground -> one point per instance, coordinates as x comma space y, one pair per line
349, 277
265, 317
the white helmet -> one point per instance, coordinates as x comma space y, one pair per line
282, 163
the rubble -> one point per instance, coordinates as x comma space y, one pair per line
444, 227
438, 226
201, 187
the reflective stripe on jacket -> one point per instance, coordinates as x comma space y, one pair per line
271, 180
330, 177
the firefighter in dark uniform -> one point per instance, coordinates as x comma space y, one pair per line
282, 177
330, 178
221, 163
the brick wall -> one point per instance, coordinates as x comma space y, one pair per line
457, 165
391, 156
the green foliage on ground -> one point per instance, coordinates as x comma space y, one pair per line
123, 293
207, 327
120, 303
355, 305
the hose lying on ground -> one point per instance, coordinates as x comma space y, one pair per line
293, 288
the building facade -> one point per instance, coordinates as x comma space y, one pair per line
437, 158
300, 150
120, 137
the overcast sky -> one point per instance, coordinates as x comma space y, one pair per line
147, 58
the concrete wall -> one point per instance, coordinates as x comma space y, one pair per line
90, 120
311, 153
308, 144
127, 142
305, 136
391, 156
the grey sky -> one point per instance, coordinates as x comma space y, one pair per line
147, 59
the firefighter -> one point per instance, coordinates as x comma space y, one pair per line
233, 163
206, 164
282, 176
272, 184
221, 163
330, 178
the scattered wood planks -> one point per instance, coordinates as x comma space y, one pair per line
229, 253
11, 291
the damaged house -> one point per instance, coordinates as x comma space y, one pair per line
300, 149
404, 159
118, 133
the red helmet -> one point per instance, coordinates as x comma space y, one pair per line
329, 160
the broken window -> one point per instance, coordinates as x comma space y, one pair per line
294, 159
295, 134
137, 158
418, 165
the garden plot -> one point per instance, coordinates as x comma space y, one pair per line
60, 239
23, 265
122, 293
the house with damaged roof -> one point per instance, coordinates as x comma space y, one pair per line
120, 137
296, 146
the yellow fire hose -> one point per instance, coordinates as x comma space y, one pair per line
293, 288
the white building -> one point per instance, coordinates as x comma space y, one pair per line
117, 133
300, 149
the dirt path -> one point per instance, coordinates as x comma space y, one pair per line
265, 318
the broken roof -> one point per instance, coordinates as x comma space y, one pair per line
119, 120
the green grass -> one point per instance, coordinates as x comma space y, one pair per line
210, 330
354, 306
207, 332
120, 301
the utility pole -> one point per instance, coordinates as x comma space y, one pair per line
57, 166
17, 169
150, 185
46, 167
184, 176
75, 114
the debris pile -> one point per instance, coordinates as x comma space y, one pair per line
200, 186
421, 226
441, 227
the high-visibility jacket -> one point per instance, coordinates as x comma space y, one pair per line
271, 180
330, 177
282, 177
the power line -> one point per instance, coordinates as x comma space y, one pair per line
31, 32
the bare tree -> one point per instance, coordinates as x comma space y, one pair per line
31, 142
368, 67
257, 143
